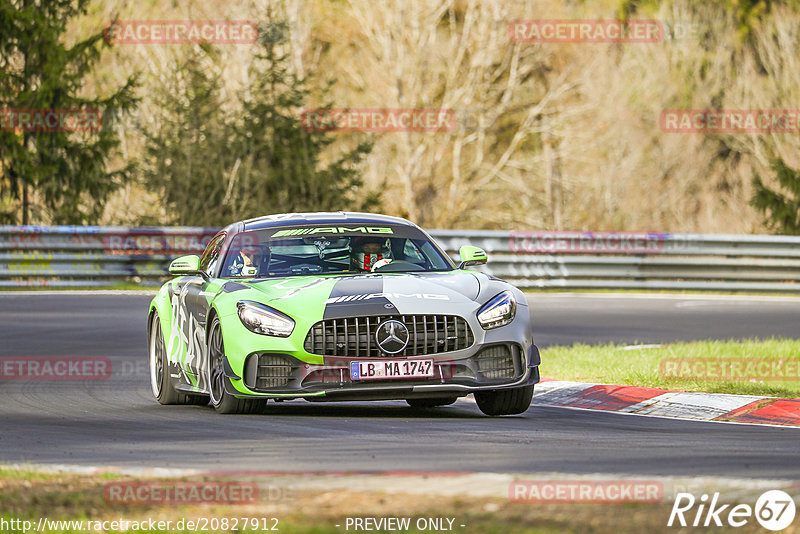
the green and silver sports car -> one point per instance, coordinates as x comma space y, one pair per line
338, 306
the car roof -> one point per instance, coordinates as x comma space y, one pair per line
339, 217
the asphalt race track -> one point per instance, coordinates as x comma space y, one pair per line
117, 422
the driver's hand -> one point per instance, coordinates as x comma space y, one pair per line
236, 266
249, 270
380, 263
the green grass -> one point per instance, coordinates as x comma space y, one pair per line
28, 495
23, 473
612, 364
701, 292
299, 528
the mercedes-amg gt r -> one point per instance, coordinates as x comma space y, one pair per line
338, 306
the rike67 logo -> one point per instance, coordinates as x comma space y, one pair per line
774, 510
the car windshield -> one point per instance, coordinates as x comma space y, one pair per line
278, 252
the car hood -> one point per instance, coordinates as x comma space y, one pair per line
450, 292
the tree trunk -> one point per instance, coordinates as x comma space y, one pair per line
554, 192
25, 204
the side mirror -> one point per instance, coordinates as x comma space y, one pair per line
471, 256
185, 265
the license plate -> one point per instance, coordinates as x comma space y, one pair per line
383, 369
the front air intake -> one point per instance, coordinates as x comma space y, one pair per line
496, 363
267, 371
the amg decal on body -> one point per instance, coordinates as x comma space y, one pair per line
334, 230
368, 296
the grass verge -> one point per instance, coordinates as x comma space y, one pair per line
70, 497
646, 291
749, 367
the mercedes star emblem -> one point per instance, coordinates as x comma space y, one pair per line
392, 336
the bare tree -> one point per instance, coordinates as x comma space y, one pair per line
455, 56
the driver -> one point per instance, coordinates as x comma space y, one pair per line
366, 251
250, 259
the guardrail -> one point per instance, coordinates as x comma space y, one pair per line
85, 256
63, 256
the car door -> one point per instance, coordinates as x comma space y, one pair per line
198, 301
194, 302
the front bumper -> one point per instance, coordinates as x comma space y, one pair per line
488, 366
304, 374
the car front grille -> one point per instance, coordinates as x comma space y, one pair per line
355, 336
265, 371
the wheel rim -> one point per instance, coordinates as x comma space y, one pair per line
156, 358
216, 374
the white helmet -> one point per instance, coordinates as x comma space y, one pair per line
367, 251
366, 261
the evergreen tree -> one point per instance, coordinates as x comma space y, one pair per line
55, 176
281, 156
782, 208
187, 150
213, 165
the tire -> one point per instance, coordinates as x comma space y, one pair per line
160, 382
431, 402
510, 401
217, 381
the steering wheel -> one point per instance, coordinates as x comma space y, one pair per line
396, 266
380, 263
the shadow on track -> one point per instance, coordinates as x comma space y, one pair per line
366, 410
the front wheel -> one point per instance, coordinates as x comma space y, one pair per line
221, 400
511, 401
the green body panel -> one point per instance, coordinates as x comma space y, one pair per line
185, 265
472, 256
302, 298
161, 305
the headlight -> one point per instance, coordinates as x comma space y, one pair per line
499, 311
262, 319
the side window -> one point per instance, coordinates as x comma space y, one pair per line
435, 258
210, 257
411, 252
